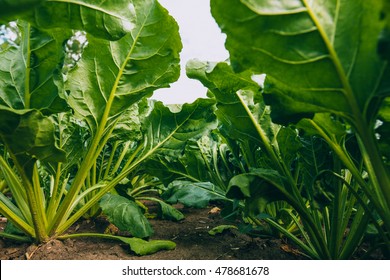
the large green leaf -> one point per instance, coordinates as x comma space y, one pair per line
126, 215
197, 162
193, 194
105, 19
257, 188
111, 76
168, 212
72, 135
165, 132
28, 73
318, 56
384, 36
314, 157
224, 85
11, 8
27, 134
243, 116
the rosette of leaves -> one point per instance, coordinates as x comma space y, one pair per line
60, 127
290, 183
322, 68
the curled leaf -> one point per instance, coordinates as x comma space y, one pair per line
220, 229
142, 247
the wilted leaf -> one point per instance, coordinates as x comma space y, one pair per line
168, 212
220, 229
142, 247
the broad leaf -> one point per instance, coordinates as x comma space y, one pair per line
126, 215
192, 194
105, 19
224, 85
242, 114
314, 156
28, 134
318, 56
28, 73
384, 36
128, 127
11, 8
72, 135
165, 132
289, 144
198, 162
257, 188
126, 70
168, 212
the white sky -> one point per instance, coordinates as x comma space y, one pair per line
201, 38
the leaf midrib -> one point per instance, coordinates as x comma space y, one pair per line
347, 89
97, 140
89, 6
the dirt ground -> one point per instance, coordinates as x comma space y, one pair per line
193, 242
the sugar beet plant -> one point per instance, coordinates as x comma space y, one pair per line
61, 129
326, 76
291, 181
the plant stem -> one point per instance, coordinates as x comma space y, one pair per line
36, 209
376, 169
92, 235
11, 214
16, 237
26, 43
110, 160
55, 196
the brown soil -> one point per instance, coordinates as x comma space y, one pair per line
190, 235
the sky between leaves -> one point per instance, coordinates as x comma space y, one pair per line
202, 39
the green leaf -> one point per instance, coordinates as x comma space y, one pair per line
289, 144
384, 130
224, 85
384, 36
258, 188
29, 134
126, 215
191, 194
314, 157
313, 52
142, 247
11, 8
165, 132
241, 112
126, 70
198, 162
105, 19
128, 127
28, 73
168, 212
72, 135
220, 229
